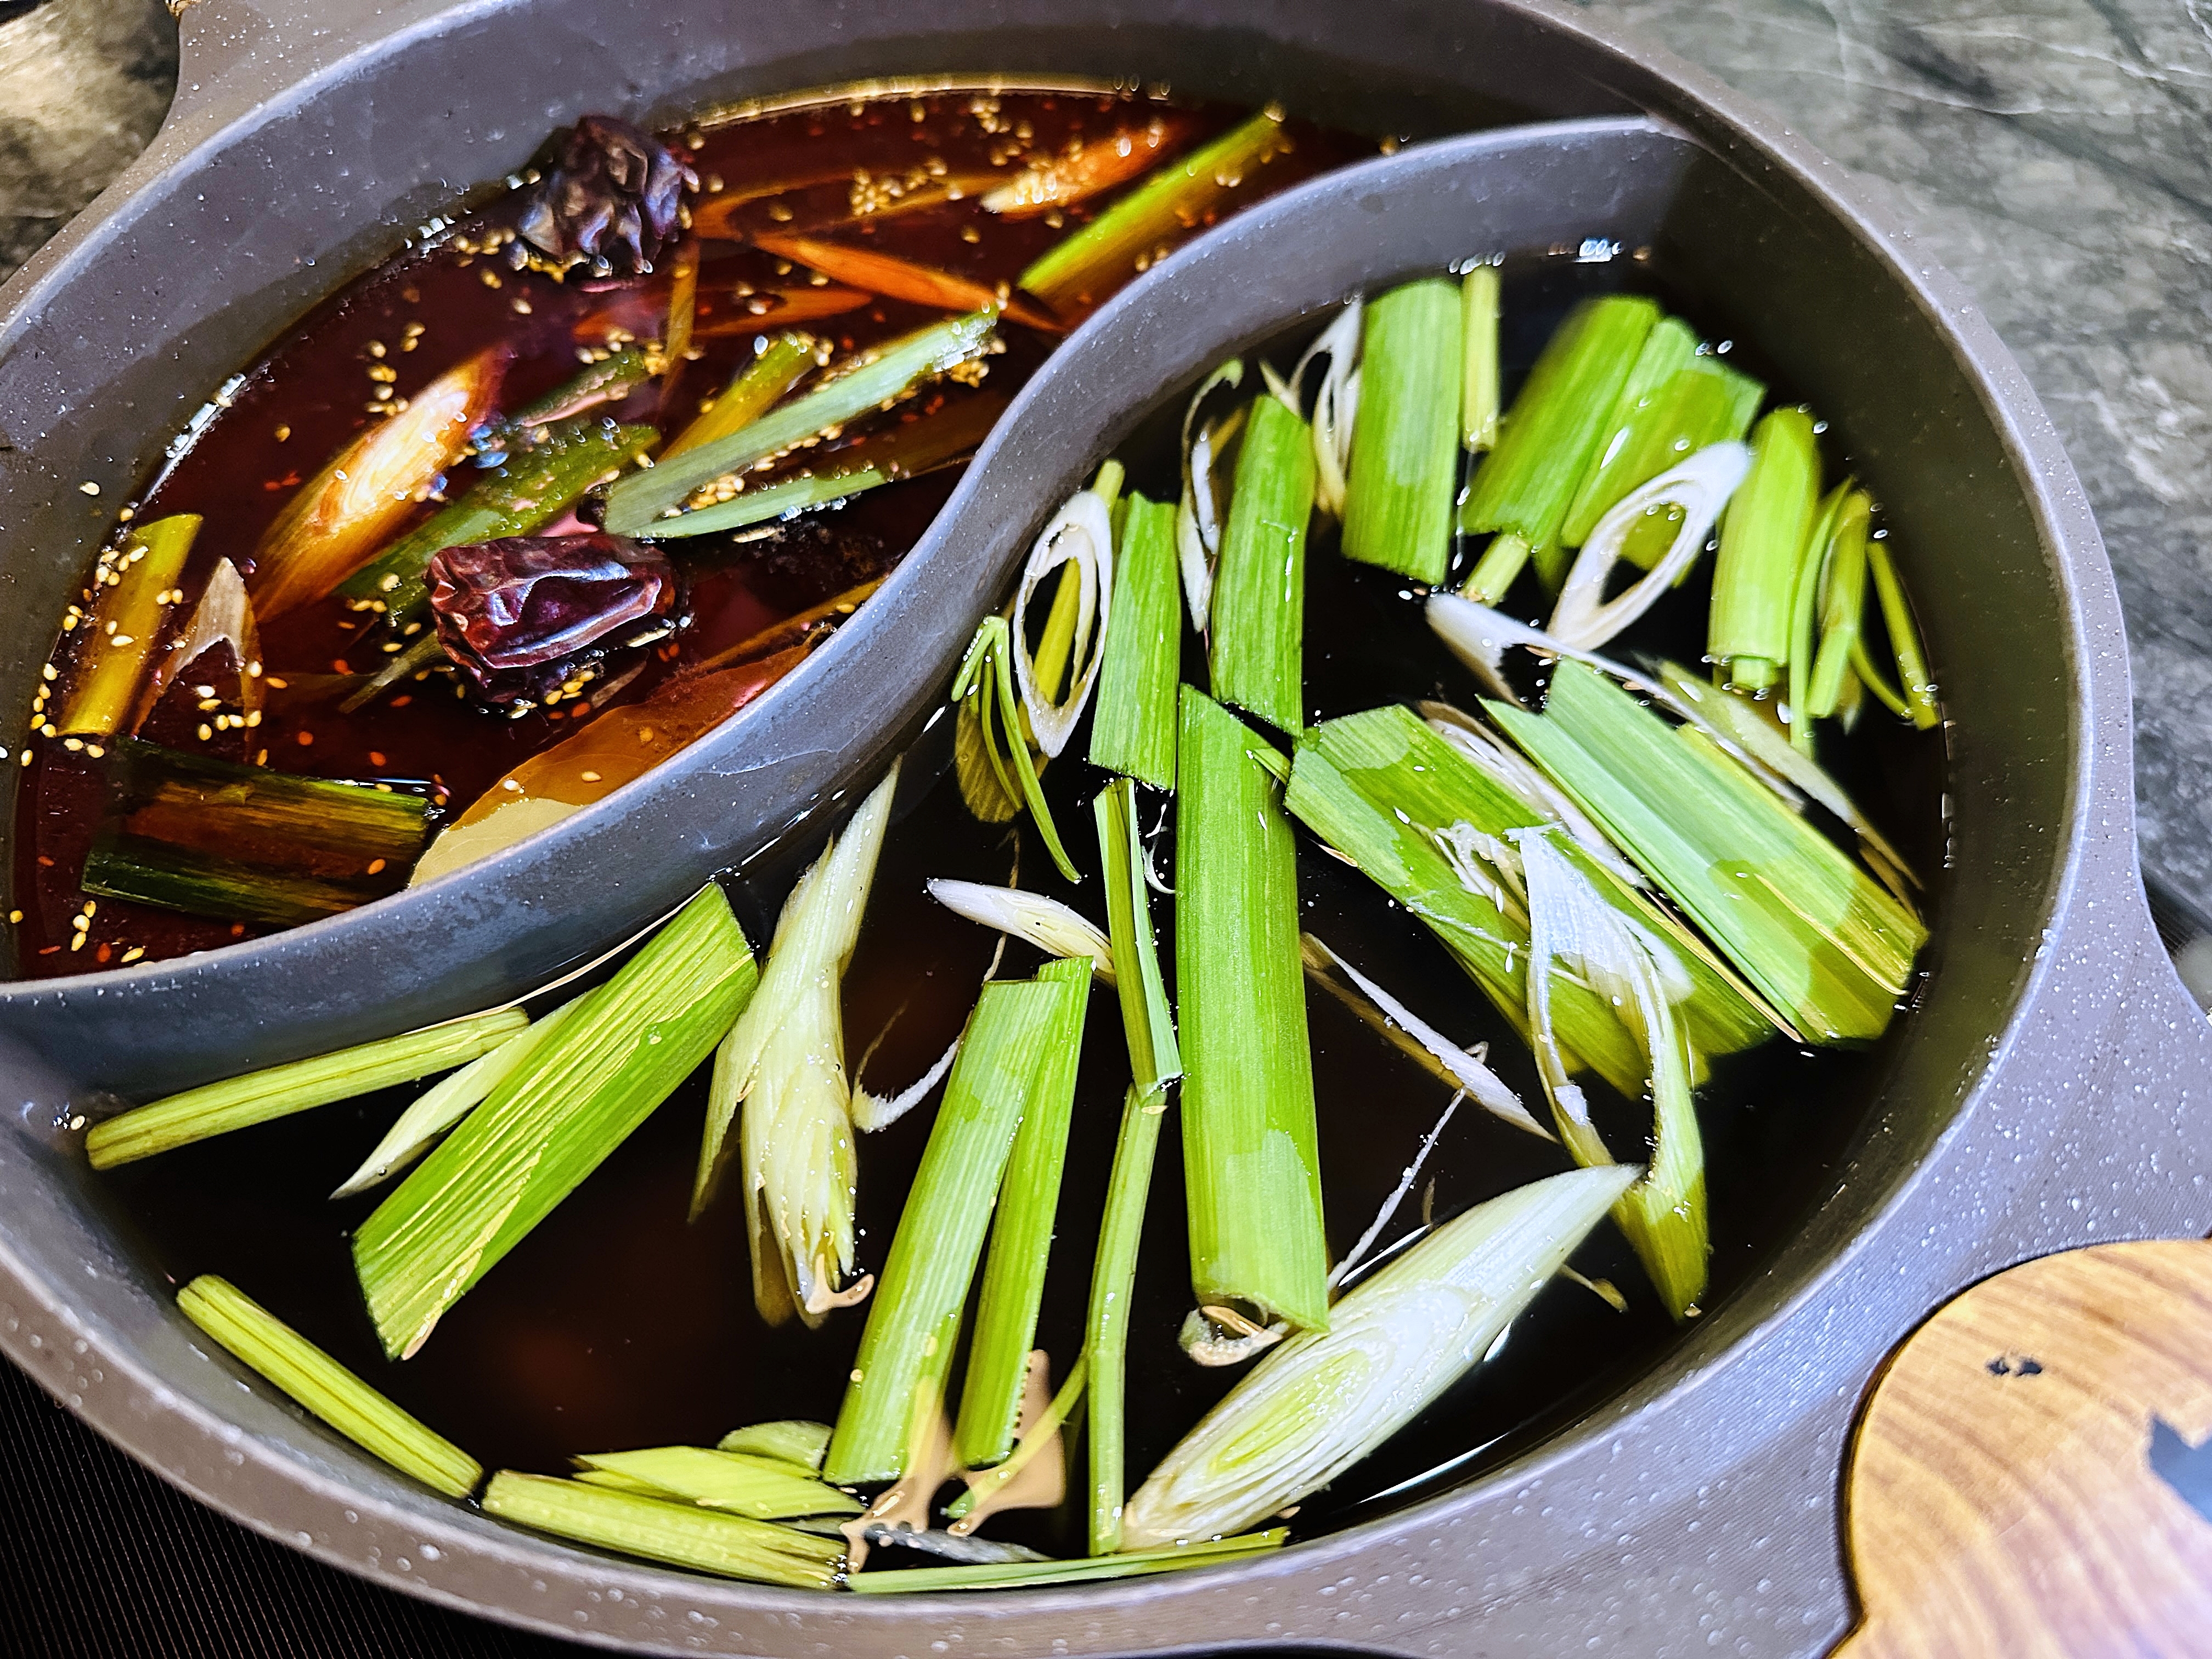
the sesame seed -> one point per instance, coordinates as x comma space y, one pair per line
376, 866
206, 732
589, 777
88, 488
134, 953
282, 433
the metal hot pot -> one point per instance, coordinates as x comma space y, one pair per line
2040, 1097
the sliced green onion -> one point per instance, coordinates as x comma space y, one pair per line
680, 1534
1843, 607
991, 747
1154, 1058
1106, 1324
1406, 443
1663, 1214
1079, 542
1762, 544
238, 1102
224, 616
1249, 1157
1805, 924
557, 1116
1021, 1235
1134, 730
1478, 395
1696, 401
1548, 440
1314, 1406
446, 1103
1086, 266
778, 362
327, 1389
766, 1490
609, 381
1668, 348
790, 1441
1697, 489
1912, 676
1015, 1575
134, 586
1198, 511
1259, 597
1336, 402
1804, 602
878, 376
1012, 1037
1053, 927
784, 1062
901, 451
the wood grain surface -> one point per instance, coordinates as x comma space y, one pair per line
2033, 1476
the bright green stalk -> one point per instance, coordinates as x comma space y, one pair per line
610, 379
1842, 606
1132, 729
1701, 402
238, 1102
1804, 600
1013, 1034
1154, 1058
1912, 676
1762, 544
791, 1441
784, 1062
1667, 349
327, 1388
1106, 1327
133, 588
553, 1122
883, 374
1478, 397
1085, 265
1258, 620
681, 1534
542, 478
1396, 798
1249, 1157
752, 392
1003, 771
446, 1103
1405, 445
1313, 1407
759, 1487
1015, 1575
1804, 923
1021, 1235
1548, 439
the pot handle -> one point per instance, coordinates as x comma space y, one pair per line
234, 54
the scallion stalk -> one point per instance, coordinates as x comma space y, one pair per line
238, 1102
1012, 1037
1021, 1235
1478, 397
1106, 1324
327, 1389
1015, 1575
1084, 266
791, 1440
1804, 602
784, 1063
1762, 544
1919, 690
1694, 402
1154, 1058
1324, 1400
133, 586
1249, 1157
1548, 440
998, 775
622, 1051
680, 1534
1406, 439
1258, 619
755, 389
765, 1489
1843, 607
1133, 730
880, 375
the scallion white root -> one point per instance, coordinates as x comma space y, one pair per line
1081, 535
1701, 487
1358, 1253
873, 1112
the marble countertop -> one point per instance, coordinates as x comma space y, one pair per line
2057, 155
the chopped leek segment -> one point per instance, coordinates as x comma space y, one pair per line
1804, 605
136, 585
1021, 1235
1842, 614
1134, 730
763, 1488
756, 388
784, 1063
1477, 396
1315, 1406
1154, 1058
1810, 928
1259, 594
1015, 1575
553, 1122
238, 1102
1078, 542
1918, 689
991, 748
881, 374
263, 1342
1250, 1158
1106, 1323
1762, 544
1405, 442
790, 1441
1018, 1028
1702, 401
680, 1534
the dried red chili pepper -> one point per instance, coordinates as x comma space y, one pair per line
525, 615
609, 202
